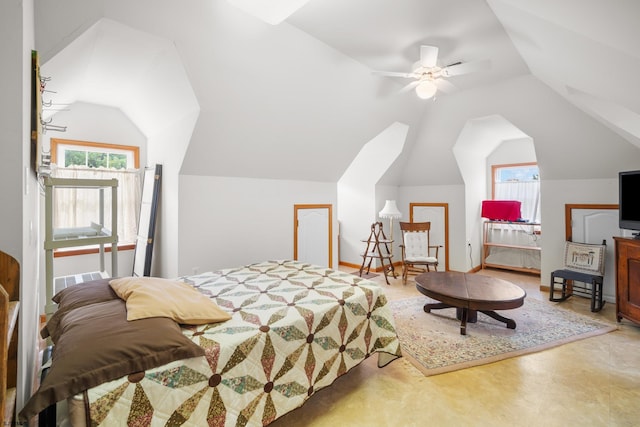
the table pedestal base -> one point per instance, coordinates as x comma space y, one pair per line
466, 315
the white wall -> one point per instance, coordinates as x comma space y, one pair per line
358, 206
229, 222
19, 228
13, 107
94, 123
510, 152
29, 320
478, 138
167, 147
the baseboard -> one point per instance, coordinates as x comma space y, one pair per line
348, 264
374, 270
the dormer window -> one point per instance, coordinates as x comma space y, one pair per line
93, 160
518, 182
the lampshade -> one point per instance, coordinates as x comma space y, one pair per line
390, 210
426, 89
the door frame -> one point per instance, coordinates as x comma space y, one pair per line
568, 212
446, 225
329, 207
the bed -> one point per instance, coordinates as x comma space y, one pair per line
294, 329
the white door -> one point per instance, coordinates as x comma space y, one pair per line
437, 215
313, 235
594, 226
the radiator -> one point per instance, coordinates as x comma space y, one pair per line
63, 282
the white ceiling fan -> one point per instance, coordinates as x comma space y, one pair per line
429, 77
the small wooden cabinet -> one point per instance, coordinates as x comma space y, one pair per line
627, 279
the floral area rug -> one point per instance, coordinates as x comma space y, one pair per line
434, 344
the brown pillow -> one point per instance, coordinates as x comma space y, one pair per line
155, 297
95, 343
84, 294
76, 296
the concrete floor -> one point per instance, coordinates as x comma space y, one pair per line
591, 382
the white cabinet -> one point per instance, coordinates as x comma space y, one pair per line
512, 246
94, 233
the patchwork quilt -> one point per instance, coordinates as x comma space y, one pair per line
295, 329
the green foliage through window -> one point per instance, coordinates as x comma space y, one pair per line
75, 158
117, 161
95, 159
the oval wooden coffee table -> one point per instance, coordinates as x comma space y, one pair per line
470, 293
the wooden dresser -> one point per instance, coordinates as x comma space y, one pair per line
627, 279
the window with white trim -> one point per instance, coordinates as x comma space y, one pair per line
518, 182
92, 160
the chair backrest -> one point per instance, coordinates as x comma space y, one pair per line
415, 238
585, 257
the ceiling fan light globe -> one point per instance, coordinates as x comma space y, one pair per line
426, 89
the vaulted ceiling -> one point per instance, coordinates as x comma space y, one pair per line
302, 94
587, 51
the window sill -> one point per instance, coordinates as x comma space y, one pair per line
59, 253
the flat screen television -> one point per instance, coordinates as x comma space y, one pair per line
629, 201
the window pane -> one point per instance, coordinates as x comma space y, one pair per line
97, 160
75, 158
518, 174
118, 161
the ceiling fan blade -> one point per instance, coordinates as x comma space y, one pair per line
409, 87
445, 86
460, 68
428, 56
394, 74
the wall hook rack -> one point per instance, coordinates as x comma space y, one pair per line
46, 125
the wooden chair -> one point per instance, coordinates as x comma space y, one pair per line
583, 263
9, 308
418, 255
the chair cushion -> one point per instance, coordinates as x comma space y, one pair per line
425, 259
577, 275
416, 245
